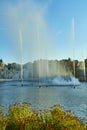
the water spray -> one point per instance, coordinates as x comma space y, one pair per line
21, 52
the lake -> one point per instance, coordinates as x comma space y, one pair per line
42, 98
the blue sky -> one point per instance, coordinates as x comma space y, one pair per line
46, 29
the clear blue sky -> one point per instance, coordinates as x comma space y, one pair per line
46, 29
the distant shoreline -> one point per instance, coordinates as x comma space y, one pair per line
4, 80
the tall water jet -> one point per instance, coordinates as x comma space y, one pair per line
21, 53
47, 69
84, 70
73, 45
38, 47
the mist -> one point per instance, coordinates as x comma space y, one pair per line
35, 41
30, 18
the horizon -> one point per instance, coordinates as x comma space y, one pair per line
49, 30
36, 60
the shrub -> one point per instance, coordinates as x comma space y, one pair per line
22, 117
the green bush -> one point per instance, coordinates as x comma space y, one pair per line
22, 117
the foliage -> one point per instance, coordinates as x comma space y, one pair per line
22, 117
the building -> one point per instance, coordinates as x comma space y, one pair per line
2, 65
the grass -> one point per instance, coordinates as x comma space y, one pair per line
22, 117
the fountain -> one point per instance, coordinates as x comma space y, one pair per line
73, 44
21, 52
56, 76
84, 71
48, 72
55, 73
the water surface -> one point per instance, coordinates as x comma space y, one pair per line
74, 99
